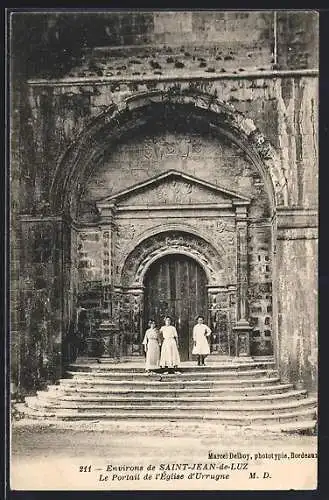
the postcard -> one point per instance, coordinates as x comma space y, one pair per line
163, 249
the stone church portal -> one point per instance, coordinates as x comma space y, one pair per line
165, 172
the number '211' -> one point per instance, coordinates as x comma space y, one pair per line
85, 468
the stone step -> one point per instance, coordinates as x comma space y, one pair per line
227, 418
239, 392
169, 405
193, 375
190, 406
140, 360
121, 368
178, 397
232, 391
301, 425
167, 382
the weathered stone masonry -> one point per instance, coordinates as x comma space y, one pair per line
87, 137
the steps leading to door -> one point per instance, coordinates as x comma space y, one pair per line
243, 393
168, 397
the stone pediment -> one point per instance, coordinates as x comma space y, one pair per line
173, 188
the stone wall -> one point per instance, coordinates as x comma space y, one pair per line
44, 312
62, 43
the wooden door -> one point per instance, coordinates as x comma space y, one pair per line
175, 285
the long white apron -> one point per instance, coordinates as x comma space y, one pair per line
169, 352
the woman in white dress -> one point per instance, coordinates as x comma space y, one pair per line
201, 347
151, 345
169, 358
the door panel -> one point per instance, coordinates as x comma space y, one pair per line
175, 285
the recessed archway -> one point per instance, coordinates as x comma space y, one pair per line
176, 285
123, 120
170, 242
104, 131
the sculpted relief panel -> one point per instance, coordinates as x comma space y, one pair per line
142, 158
222, 232
128, 231
174, 191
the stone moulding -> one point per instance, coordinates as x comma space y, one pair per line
173, 250
96, 80
297, 233
160, 244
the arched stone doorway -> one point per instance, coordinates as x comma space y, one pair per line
176, 285
173, 272
253, 204
107, 213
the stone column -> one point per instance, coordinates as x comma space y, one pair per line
218, 305
242, 262
116, 320
107, 213
137, 313
242, 328
275, 278
297, 296
112, 296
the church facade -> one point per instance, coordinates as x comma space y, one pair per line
170, 171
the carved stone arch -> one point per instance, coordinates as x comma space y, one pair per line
77, 163
174, 226
211, 274
172, 242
